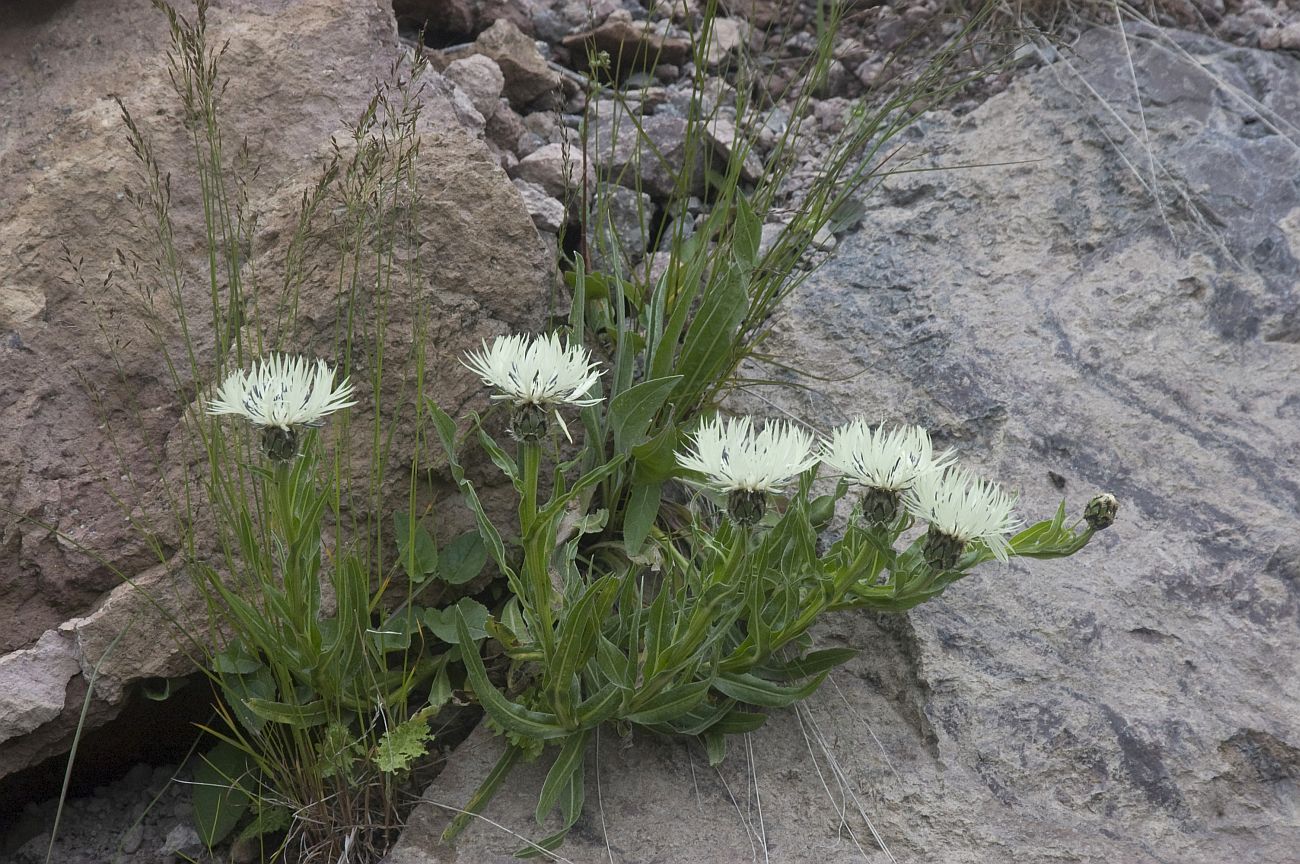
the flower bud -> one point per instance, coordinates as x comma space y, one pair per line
746, 507
280, 445
942, 552
1100, 512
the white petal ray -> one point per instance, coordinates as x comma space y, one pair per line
733, 457
883, 458
282, 391
536, 370
961, 505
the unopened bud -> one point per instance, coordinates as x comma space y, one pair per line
941, 551
880, 506
1101, 510
529, 423
280, 445
746, 507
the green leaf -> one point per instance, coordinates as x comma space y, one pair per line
639, 518
238, 689
396, 632
562, 770
602, 705
1047, 539
236, 660
613, 663
447, 433
711, 337
632, 411
577, 279
756, 691
715, 745
591, 478
337, 750
511, 716
269, 819
462, 559
500, 458
443, 621
577, 639
483, 794
158, 689
737, 722
440, 691
812, 664
747, 234
571, 806
670, 704
403, 744
418, 553
297, 716
656, 459
220, 798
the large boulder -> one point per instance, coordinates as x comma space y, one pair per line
89, 416
1068, 334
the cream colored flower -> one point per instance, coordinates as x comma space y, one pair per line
882, 458
963, 508
282, 392
541, 371
734, 458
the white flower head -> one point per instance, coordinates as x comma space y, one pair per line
538, 371
282, 392
964, 508
734, 458
883, 458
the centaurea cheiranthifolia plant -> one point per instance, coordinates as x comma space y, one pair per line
537, 375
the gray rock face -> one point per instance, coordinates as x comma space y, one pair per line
652, 153
1138, 702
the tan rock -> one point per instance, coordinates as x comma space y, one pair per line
481, 80
634, 46
554, 167
729, 35
527, 75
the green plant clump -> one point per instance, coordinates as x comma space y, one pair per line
665, 564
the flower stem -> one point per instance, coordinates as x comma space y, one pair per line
535, 539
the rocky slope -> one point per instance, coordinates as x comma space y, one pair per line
1117, 310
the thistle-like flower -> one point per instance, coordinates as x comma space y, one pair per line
537, 374
748, 465
960, 508
279, 394
885, 461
